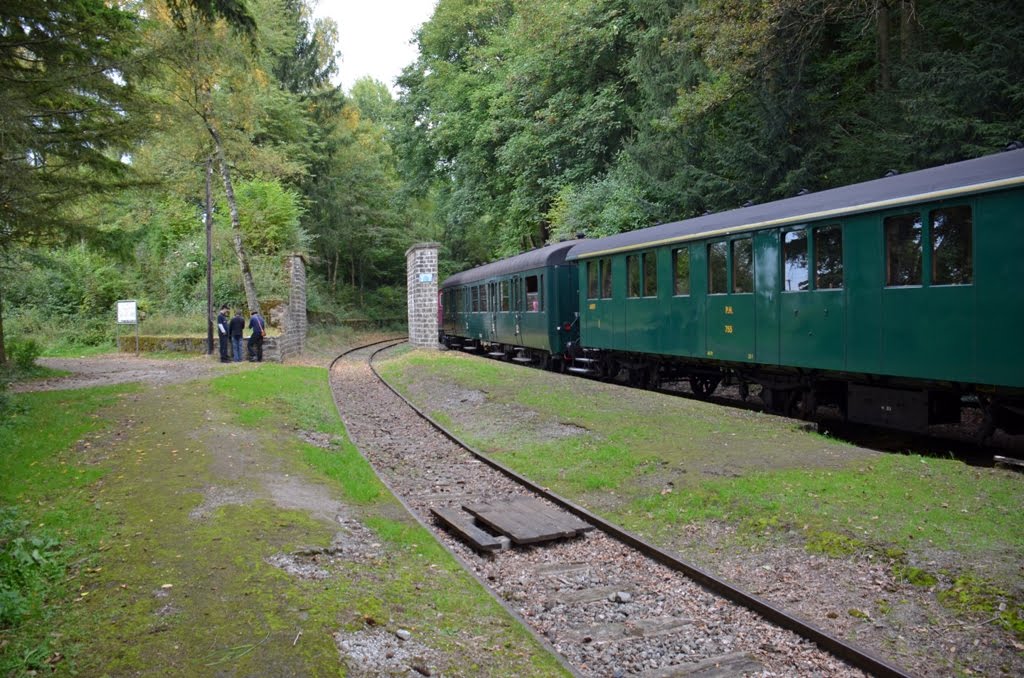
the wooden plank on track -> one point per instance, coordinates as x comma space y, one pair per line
462, 524
723, 666
526, 520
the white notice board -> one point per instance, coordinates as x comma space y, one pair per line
127, 312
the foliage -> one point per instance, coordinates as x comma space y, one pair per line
532, 121
26, 563
66, 115
269, 217
23, 352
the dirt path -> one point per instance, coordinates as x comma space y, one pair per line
226, 552
115, 368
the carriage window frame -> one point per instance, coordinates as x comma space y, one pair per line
533, 299
633, 282
718, 265
936, 243
474, 305
818, 243
606, 277
734, 269
681, 284
483, 297
649, 275
912, 276
593, 279
505, 304
786, 268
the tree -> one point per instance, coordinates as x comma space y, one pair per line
216, 82
67, 114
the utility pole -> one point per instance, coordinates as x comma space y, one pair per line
209, 258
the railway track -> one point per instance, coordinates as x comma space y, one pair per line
607, 602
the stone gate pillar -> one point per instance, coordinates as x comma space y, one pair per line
421, 273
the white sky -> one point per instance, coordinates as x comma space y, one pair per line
374, 35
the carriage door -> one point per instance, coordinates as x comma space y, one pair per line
730, 302
492, 307
517, 309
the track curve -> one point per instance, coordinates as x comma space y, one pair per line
608, 634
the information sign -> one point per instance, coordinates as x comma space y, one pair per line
127, 312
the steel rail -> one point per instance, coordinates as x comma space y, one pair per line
838, 647
541, 640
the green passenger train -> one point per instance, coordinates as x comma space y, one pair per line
899, 301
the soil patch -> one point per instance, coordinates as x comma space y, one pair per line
120, 369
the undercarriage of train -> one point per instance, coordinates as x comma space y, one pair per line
887, 402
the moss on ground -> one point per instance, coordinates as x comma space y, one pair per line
180, 509
654, 463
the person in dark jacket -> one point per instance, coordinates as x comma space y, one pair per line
259, 330
222, 332
235, 329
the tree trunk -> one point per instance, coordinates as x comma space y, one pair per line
907, 37
334, 275
209, 257
882, 24
236, 228
3, 351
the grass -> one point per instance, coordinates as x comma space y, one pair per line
98, 535
653, 463
47, 526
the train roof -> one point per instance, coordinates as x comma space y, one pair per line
551, 255
989, 173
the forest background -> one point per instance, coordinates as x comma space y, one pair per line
520, 123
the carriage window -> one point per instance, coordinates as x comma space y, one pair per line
592, 280
606, 278
651, 274
717, 268
903, 250
504, 295
681, 272
532, 294
828, 258
742, 265
633, 275
952, 258
475, 293
483, 298
794, 261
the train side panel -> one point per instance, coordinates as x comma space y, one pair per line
999, 279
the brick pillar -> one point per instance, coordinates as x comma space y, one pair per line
421, 273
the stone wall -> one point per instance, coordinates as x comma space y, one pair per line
293, 319
421, 277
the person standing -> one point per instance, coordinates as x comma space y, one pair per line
258, 328
235, 329
222, 332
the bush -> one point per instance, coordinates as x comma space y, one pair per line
27, 562
23, 352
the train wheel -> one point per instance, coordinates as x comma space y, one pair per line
703, 386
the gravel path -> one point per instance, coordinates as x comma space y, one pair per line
608, 610
117, 368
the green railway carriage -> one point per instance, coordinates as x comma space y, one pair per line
897, 299
522, 308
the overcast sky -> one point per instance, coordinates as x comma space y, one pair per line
374, 35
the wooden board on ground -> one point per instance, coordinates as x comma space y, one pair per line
724, 666
527, 520
462, 523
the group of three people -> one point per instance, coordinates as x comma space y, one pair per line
232, 330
